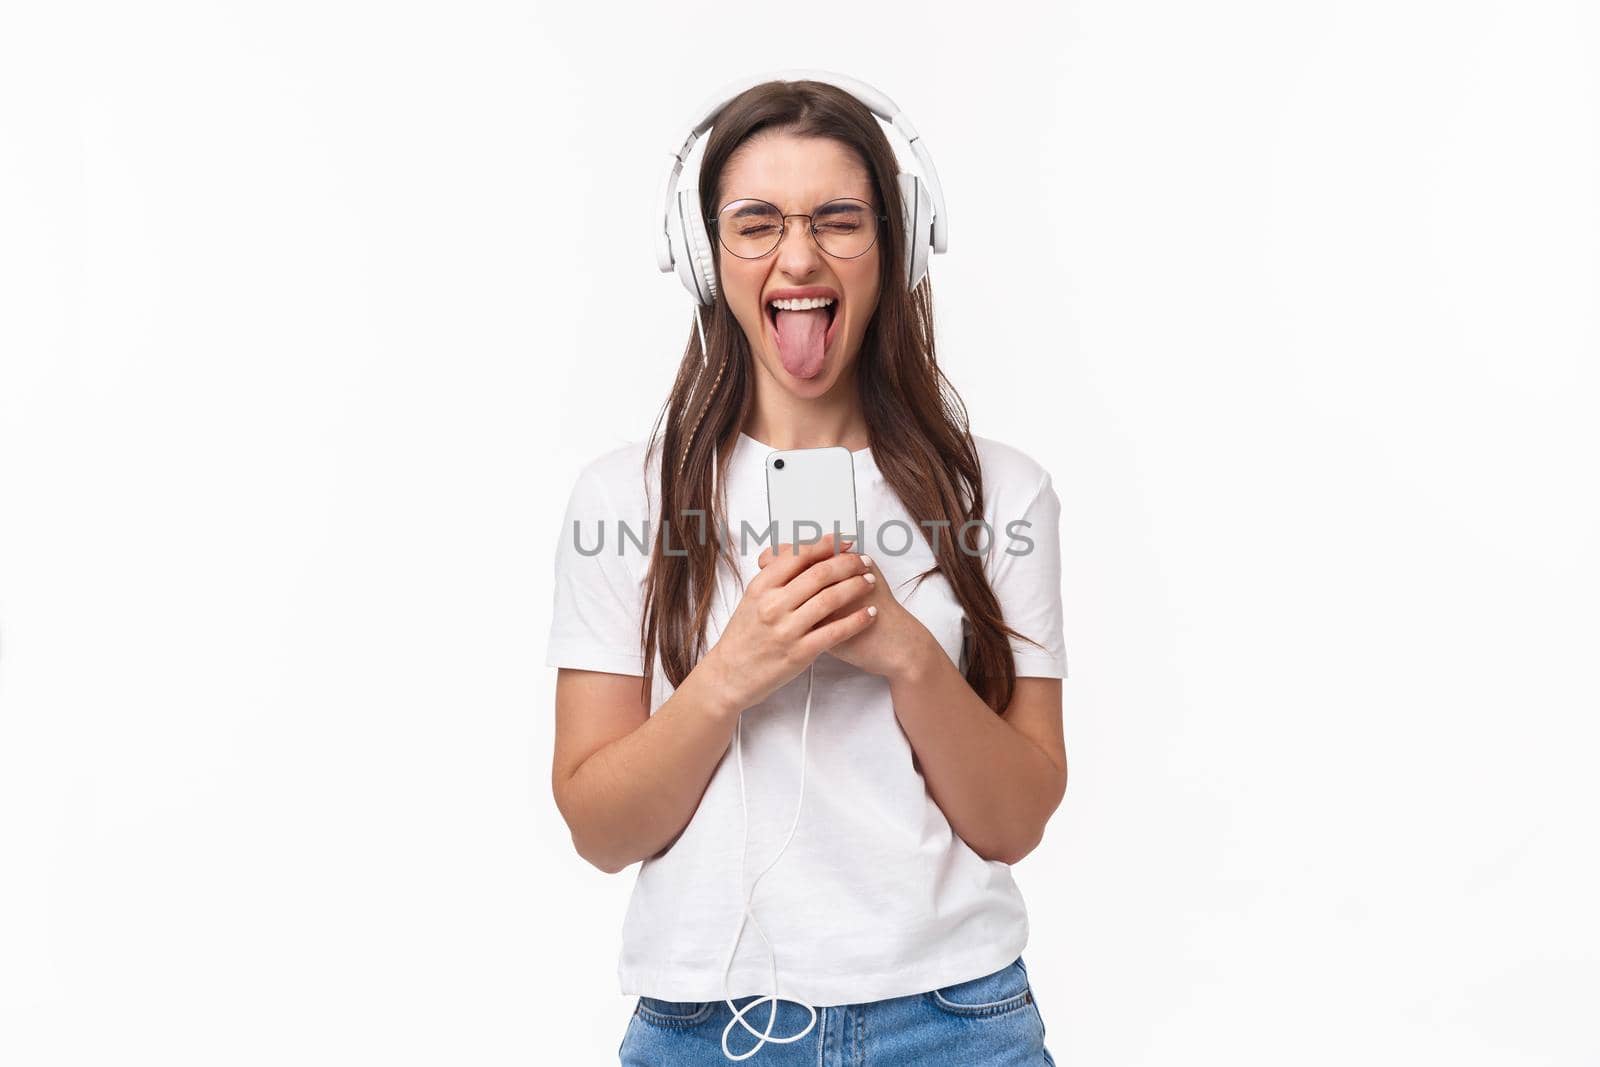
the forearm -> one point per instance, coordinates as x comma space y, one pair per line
631, 798
996, 787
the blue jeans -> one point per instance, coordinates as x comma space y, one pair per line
986, 1022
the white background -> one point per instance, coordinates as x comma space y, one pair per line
310, 313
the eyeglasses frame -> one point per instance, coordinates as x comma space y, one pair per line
783, 231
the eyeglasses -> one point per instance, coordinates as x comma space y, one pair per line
844, 228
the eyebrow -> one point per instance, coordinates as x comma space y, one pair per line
842, 209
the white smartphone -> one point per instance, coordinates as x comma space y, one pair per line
812, 492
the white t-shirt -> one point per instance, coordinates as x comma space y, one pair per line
876, 896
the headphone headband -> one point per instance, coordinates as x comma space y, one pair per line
879, 104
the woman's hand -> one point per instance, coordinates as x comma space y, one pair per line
895, 643
805, 601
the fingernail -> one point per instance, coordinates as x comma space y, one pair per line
872, 609
872, 579
866, 561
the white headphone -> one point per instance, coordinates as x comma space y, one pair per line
682, 243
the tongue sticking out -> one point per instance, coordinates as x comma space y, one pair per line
801, 335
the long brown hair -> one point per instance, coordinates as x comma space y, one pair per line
916, 423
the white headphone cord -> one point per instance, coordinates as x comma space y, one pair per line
748, 915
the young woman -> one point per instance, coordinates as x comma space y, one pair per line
929, 654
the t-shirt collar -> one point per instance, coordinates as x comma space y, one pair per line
748, 451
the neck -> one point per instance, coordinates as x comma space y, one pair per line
779, 419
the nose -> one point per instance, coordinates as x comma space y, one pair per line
798, 253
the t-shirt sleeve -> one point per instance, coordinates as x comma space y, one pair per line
598, 601
1025, 573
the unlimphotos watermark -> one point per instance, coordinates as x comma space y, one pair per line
893, 538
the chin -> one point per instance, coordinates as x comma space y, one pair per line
799, 386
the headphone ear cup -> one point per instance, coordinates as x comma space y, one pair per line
697, 268
682, 251
917, 208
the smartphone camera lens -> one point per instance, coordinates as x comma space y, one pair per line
777, 464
